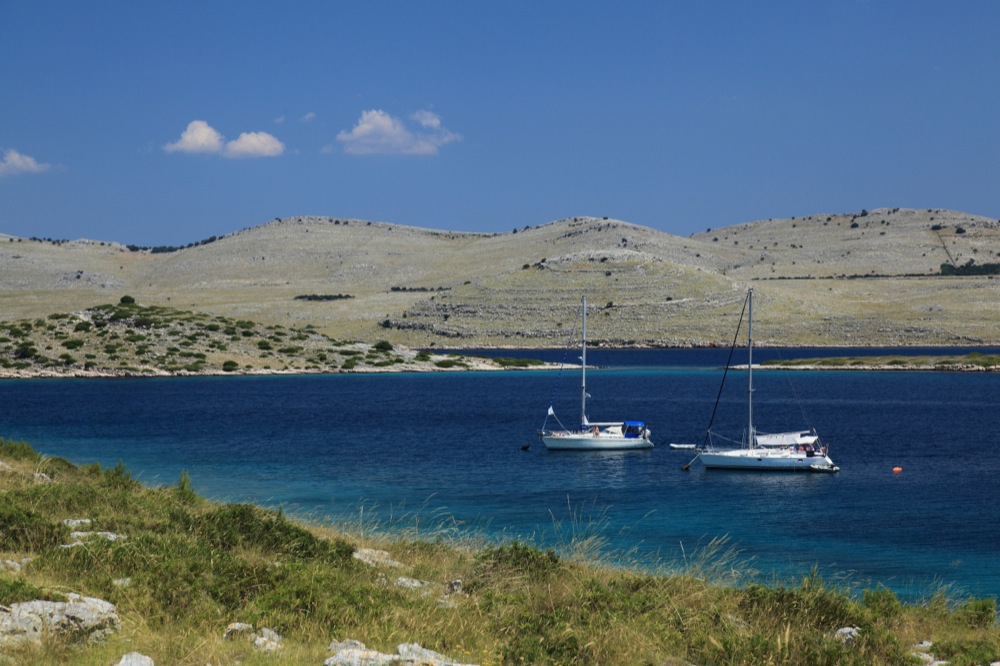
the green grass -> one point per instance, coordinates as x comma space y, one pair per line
193, 566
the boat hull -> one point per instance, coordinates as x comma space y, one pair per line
767, 460
590, 442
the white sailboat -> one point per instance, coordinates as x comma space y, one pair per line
594, 435
783, 451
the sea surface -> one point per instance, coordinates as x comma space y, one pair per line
432, 451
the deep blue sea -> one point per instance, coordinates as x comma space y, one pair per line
430, 449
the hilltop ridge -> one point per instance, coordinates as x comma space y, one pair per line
866, 278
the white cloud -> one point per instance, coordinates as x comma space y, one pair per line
308, 117
427, 119
14, 163
376, 132
200, 137
254, 144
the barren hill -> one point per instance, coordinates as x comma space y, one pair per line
868, 278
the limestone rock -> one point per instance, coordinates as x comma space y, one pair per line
237, 629
10, 565
411, 583
350, 644
83, 618
354, 653
78, 538
377, 557
264, 639
267, 640
136, 659
77, 522
847, 635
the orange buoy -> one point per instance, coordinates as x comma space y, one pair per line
897, 470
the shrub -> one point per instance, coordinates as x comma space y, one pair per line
979, 613
185, 492
812, 604
25, 530
449, 363
230, 366
237, 526
15, 590
12, 450
25, 350
515, 559
119, 478
883, 602
507, 362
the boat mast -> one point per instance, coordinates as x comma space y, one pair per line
752, 439
583, 366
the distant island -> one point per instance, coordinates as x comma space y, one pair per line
131, 340
971, 362
883, 277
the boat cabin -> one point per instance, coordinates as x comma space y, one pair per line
634, 428
627, 429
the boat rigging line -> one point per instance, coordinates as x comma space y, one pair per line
722, 384
555, 387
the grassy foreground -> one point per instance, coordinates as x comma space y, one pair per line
188, 567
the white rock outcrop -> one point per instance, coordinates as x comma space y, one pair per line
354, 653
82, 618
136, 659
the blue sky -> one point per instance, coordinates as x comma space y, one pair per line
168, 122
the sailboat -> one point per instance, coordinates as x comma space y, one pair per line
782, 451
594, 436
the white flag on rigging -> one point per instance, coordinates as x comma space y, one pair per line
552, 412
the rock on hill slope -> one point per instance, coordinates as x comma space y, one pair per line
868, 278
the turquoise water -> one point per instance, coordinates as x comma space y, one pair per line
448, 448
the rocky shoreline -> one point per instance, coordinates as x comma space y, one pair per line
467, 364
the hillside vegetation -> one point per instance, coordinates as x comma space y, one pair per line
135, 340
866, 278
179, 570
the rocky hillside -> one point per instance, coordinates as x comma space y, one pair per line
128, 339
866, 278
